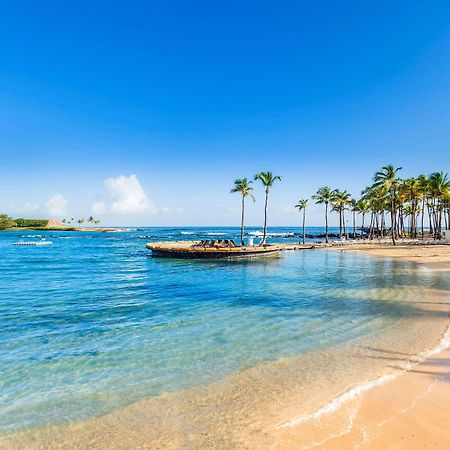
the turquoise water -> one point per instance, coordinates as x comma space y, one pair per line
92, 322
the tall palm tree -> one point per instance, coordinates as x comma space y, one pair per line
424, 191
244, 187
363, 208
387, 180
302, 204
340, 201
354, 208
267, 179
412, 190
324, 195
439, 188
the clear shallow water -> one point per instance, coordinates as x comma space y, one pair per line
92, 322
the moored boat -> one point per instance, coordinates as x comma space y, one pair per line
211, 249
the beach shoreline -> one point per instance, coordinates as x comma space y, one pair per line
408, 411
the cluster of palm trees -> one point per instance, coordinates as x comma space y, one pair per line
406, 201
80, 221
244, 187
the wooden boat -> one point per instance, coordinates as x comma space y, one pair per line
211, 249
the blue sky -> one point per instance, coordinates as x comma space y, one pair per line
146, 112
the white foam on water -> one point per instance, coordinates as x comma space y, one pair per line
355, 391
216, 234
186, 232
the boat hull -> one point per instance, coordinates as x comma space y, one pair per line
190, 250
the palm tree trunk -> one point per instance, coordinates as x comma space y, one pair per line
343, 224
242, 220
326, 223
362, 230
393, 222
354, 225
371, 225
304, 214
265, 219
423, 213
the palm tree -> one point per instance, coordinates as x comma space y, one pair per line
354, 208
387, 180
363, 208
340, 200
302, 204
439, 188
324, 195
412, 191
80, 221
90, 219
267, 179
424, 191
243, 186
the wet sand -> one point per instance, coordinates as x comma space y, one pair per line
373, 393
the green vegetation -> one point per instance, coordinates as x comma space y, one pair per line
6, 222
404, 201
31, 223
244, 187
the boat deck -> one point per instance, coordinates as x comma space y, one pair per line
193, 249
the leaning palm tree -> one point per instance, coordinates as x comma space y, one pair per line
243, 186
267, 179
324, 195
301, 205
387, 180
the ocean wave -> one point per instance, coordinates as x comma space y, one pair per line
216, 234
187, 232
357, 390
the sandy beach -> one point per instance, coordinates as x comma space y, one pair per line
435, 257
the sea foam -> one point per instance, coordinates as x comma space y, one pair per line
355, 391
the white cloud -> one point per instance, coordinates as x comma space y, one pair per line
98, 208
57, 205
128, 196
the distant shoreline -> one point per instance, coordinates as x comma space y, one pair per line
79, 229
